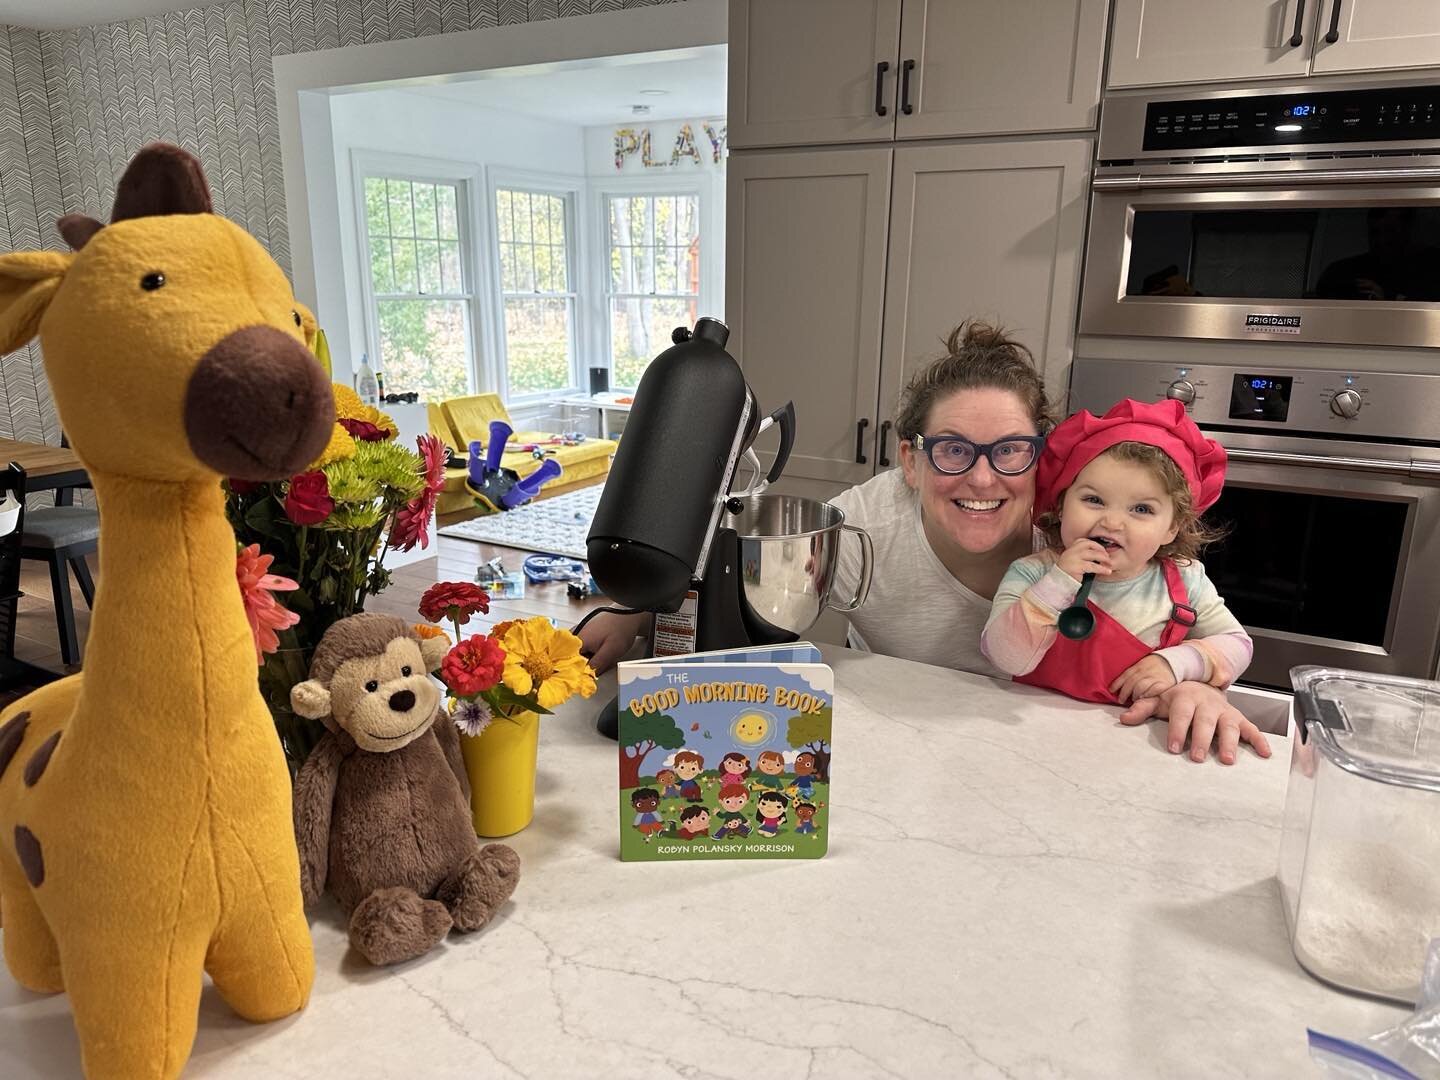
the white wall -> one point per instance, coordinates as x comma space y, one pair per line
436, 133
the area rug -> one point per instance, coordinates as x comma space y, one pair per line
555, 526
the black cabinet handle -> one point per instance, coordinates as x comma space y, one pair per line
905, 70
860, 426
1297, 38
884, 438
881, 109
1334, 34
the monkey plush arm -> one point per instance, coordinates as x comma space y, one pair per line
449, 739
314, 798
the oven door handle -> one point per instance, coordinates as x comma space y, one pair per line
1219, 181
1325, 461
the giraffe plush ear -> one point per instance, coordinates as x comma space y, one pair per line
28, 280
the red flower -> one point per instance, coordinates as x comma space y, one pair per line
412, 521
456, 600
257, 589
308, 501
474, 665
242, 487
362, 430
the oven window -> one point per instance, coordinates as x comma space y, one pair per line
1387, 253
1333, 577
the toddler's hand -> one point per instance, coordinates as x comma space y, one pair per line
1147, 678
1083, 557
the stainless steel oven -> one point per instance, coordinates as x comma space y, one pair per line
1332, 502
1296, 214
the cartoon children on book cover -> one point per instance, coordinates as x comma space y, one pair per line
723, 760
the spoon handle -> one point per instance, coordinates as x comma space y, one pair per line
1083, 595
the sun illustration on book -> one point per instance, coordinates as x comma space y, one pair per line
751, 728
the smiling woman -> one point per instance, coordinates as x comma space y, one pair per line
948, 523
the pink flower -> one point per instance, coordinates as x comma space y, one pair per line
257, 588
412, 521
308, 501
362, 430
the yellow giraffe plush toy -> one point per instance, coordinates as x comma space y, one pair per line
145, 821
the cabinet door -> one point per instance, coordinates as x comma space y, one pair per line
1157, 42
998, 66
804, 291
804, 72
991, 231
1374, 35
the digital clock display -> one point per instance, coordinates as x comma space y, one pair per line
1303, 110
1260, 397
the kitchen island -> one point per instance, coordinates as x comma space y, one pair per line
1016, 886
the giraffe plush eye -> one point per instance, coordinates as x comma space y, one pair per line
152, 281
298, 321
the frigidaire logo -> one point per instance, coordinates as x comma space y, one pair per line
1272, 324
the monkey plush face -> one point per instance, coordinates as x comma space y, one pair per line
380, 691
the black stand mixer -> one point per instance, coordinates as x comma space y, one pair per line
658, 542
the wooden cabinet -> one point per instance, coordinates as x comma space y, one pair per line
841, 281
1368, 35
1162, 42
805, 293
806, 72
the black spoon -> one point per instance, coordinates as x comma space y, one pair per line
1077, 622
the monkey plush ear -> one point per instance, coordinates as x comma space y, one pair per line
311, 699
433, 650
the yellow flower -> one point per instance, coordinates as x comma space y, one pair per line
348, 406
340, 447
542, 660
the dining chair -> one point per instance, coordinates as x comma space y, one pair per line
61, 536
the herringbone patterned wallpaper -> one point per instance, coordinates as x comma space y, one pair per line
76, 104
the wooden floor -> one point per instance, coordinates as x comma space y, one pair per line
37, 639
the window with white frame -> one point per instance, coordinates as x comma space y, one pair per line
537, 289
653, 284
417, 249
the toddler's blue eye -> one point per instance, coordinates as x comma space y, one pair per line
1143, 510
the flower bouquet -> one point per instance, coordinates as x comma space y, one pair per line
317, 537
497, 684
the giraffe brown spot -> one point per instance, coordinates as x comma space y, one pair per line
35, 767
10, 736
27, 850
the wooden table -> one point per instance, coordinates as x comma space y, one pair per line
47, 468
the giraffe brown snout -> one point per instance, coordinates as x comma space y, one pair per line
258, 406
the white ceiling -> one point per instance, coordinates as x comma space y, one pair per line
598, 94
65, 14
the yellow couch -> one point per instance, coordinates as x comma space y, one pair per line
460, 420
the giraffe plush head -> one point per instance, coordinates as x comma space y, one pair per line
173, 344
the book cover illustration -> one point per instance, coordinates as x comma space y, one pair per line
726, 755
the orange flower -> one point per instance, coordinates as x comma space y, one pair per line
429, 630
257, 588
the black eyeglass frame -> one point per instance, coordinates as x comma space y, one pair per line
926, 444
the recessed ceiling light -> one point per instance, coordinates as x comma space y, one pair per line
654, 93
640, 110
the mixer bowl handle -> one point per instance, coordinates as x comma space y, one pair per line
867, 566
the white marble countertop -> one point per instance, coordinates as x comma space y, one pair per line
1016, 886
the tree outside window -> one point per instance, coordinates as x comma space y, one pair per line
654, 277
421, 296
536, 291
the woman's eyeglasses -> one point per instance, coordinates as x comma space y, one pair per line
955, 454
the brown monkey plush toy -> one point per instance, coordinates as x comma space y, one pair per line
382, 804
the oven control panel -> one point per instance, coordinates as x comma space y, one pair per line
1353, 404
1392, 113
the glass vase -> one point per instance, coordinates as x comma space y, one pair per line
282, 669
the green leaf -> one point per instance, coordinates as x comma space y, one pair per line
504, 697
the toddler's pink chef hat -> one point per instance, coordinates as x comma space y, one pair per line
1081, 438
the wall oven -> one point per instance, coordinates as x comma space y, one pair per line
1331, 502
1306, 214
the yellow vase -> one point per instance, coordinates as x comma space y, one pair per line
500, 763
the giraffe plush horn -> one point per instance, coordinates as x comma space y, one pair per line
162, 179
